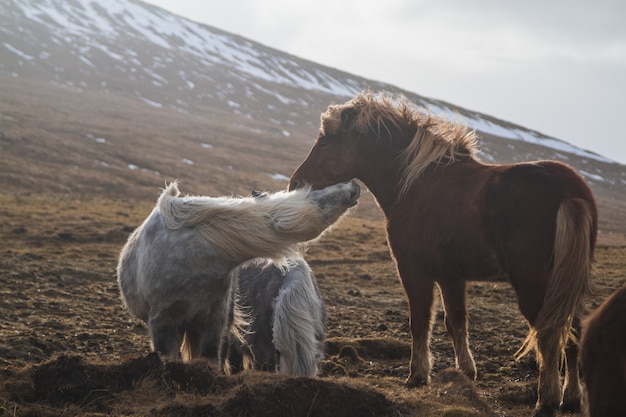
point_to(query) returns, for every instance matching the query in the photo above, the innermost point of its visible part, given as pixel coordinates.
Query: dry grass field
(79, 171)
(68, 347)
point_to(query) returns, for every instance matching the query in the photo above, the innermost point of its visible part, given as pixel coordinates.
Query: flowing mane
(245, 225)
(436, 139)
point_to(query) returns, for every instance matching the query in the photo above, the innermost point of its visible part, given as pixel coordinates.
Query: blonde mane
(244, 227)
(437, 140)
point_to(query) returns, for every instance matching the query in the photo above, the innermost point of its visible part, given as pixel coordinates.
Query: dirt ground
(67, 347)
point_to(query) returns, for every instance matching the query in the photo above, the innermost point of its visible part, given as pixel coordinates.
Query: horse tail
(299, 324)
(186, 348)
(570, 280)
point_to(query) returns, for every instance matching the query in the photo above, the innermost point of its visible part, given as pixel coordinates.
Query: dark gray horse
(287, 319)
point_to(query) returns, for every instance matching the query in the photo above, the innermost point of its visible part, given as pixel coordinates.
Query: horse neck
(382, 176)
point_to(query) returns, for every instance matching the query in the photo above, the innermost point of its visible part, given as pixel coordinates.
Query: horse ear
(337, 118)
(348, 115)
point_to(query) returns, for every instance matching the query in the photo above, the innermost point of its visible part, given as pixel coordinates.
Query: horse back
(521, 203)
(529, 182)
(468, 220)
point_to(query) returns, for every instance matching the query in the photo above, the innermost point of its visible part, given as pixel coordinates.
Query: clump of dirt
(459, 390)
(71, 380)
(67, 382)
(375, 348)
(307, 397)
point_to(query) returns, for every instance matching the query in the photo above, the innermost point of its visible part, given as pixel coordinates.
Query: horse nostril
(294, 185)
(356, 191)
(355, 199)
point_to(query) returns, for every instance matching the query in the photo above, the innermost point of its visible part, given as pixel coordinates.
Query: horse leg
(234, 356)
(529, 283)
(206, 340)
(165, 336)
(420, 295)
(549, 382)
(190, 348)
(453, 297)
(572, 390)
(214, 333)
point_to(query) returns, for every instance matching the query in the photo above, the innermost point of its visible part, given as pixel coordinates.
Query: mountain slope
(133, 48)
(139, 93)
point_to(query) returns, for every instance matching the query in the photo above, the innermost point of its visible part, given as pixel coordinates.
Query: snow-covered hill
(134, 49)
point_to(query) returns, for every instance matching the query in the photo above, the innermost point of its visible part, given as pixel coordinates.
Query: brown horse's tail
(571, 275)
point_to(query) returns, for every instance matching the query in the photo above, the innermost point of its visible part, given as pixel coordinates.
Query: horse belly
(471, 262)
(489, 271)
(453, 250)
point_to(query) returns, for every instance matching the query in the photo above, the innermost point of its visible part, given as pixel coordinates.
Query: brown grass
(69, 201)
(67, 347)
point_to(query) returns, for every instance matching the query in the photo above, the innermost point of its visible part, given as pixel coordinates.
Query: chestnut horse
(452, 219)
(603, 357)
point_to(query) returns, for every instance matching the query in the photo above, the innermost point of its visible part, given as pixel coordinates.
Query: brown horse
(603, 355)
(452, 219)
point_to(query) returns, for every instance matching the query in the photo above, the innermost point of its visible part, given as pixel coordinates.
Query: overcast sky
(556, 66)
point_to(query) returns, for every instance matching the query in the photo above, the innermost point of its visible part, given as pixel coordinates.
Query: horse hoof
(571, 407)
(415, 382)
(544, 411)
(470, 373)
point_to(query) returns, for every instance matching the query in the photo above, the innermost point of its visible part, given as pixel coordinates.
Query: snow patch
(17, 51)
(279, 177)
(592, 176)
(89, 26)
(150, 102)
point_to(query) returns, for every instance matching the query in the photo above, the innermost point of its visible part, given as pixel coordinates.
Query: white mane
(244, 227)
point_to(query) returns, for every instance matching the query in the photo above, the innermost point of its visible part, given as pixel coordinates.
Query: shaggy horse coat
(174, 271)
(287, 318)
(603, 357)
(452, 219)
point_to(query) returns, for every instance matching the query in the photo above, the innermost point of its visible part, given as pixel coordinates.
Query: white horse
(287, 324)
(174, 271)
